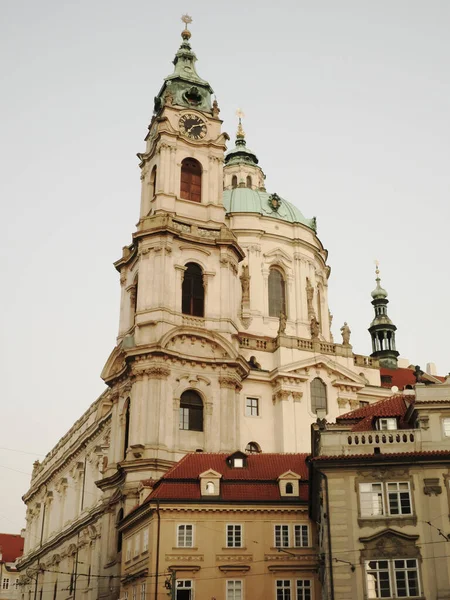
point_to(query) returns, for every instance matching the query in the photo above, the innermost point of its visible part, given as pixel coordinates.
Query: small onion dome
(379, 292)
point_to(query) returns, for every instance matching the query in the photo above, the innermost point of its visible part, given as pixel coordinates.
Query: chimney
(431, 369)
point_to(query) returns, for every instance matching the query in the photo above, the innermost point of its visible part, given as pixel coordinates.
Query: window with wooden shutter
(191, 180)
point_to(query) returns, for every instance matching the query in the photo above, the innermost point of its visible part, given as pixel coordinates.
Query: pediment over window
(306, 369)
(278, 254)
(198, 343)
(390, 544)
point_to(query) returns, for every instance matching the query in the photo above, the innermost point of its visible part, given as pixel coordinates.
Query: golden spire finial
(377, 270)
(186, 34)
(240, 131)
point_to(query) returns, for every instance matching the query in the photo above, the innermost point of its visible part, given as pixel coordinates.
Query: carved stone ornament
(389, 544)
(381, 474)
(315, 328)
(282, 324)
(229, 382)
(310, 298)
(215, 109)
(432, 487)
(274, 202)
(245, 284)
(345, 332)
(297, 396)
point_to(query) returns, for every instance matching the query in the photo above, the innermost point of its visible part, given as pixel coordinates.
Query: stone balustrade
(365, 442)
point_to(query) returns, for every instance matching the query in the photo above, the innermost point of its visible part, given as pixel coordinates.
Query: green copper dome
(246, 200)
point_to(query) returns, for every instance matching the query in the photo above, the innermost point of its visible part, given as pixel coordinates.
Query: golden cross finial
(240, 131)
(239, 114)
(377, 270)
(186, 20)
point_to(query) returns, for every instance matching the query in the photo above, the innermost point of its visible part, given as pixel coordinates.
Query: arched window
(193, 292)
(210, 488)
(318, 395)
(289, 488)
(252, 448)
(191, 180)
(126, 432)
(234, 182)
(153, 183)
(119, 533)
(277, 293)
(191, 411)
(249, 181)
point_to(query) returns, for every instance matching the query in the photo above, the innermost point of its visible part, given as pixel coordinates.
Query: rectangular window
(446, 427)
(128, 553)
(142, 591)
(125, 595)
(252, 407)
(185, 537)
(183, 589)
(371, 499)
(5, 583)
(133, 592)
(234, 536)
(301, 536)
(145, 541)
(283, 587)
(136, 545)
(387, 424)
(234, 589)
(281, 536)
(399, 498)
(304, 589)
(397, 578)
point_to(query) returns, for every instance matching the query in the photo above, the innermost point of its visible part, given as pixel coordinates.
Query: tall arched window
(153, 182)
(249, 181)
(234, 181)
(252, 448)
(191, 411)
(277, 293)
(193, 291)
(318, 395)
(191, 180)
(126, 432)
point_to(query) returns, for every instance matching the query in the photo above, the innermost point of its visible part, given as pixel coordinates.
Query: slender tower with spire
(382, 329)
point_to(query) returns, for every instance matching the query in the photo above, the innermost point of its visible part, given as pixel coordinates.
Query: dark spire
(382, 330)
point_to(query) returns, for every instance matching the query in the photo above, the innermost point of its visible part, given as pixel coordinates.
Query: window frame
(233, 596)
(387, 502)
(309, 590)
(283, 308)
(392, 571)
(143, 591)
(184, 587)
(145, 540)
(283, 528)
(178, 530)
(191, 414)
(187, 175)
(446, 427)
(303, 527)
(233, 535)
(286, 586)
(248, 409)
(387, 421)
(5, 580)
(193, 292)
(315, 397)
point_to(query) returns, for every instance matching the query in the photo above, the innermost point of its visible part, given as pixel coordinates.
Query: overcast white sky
(347, 108)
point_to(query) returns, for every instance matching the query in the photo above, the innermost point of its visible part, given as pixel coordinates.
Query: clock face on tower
(192, 126)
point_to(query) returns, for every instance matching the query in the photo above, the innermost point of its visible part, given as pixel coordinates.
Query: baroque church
(224, 341)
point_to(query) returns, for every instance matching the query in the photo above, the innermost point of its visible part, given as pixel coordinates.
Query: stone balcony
(338, 443)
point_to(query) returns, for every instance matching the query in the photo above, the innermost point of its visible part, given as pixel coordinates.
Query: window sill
(386, 521)
(240, 548)
(184, 548)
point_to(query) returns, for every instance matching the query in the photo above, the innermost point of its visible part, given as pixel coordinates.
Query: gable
(339, 374)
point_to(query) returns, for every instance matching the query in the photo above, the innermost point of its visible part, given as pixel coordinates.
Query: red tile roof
(257, 481)
(402, 377)
(11, 546)
(395, 406)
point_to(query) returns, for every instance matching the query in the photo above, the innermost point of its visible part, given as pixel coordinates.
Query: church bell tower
(382, 329)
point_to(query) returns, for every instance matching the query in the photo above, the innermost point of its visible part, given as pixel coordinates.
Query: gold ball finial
(377, 270)
(186, 34)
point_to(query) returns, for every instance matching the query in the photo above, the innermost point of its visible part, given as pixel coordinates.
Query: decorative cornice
(229, 382)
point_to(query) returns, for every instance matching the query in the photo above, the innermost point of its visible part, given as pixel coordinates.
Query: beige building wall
(210, 564)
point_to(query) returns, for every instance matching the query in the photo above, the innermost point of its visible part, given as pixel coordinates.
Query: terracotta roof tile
(402, 377)
(257, 481)
(11, 546)
(394, 406)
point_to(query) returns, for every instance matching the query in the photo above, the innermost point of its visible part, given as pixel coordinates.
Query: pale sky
(347, 108)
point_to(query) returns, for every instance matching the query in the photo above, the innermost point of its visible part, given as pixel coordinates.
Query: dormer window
(237, 460)
(387, 424)
(289, 484)
(210, 483)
